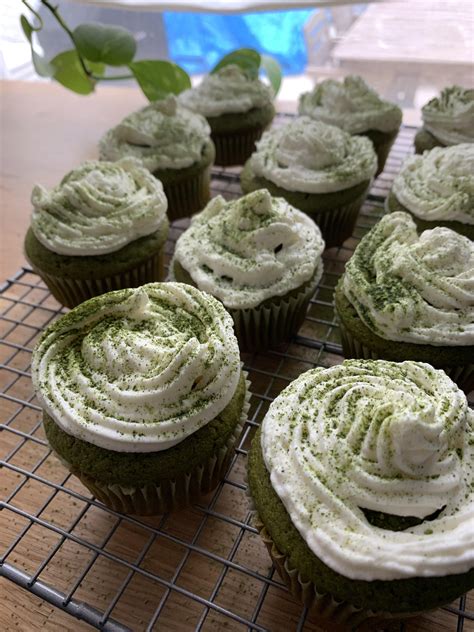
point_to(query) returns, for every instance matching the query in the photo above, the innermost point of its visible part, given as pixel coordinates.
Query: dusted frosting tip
(395, 438)
(350, 105)
(228, 90)
(138, 370)
(98, 208)
(251, 249)
(439, 184)
(312, 157)
(163, 135)
(413, 288)
(450, 116)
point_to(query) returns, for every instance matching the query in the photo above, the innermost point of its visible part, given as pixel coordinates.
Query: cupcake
(405, 296)
(102, 228)
(357, 109)
(174, 144)
(362, 478)
(143, 395)
(238, 108)
(447, 120)
(437, 188)
(318, 169)
(259, 256)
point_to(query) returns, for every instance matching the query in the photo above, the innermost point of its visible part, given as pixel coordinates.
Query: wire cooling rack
(204, 568)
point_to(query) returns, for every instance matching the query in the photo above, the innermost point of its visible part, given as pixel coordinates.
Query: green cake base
(382, 142)
(425, 141)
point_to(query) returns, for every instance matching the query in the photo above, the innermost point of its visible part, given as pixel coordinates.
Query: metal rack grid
(203, 568)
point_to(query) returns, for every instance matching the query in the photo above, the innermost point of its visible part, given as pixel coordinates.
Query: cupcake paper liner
(353, 348)
(189, 195)
(169, 494)
(236, 148)
(72, 292)
(338, 224)
(382, 148)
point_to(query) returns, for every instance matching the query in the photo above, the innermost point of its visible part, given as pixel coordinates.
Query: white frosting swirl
(163, 135)
(350, 105)
(98, 208)
(227, 90)
(450, 117)
(248, 250)
(413, 288)
(439, 185)
(397, 438)
(312, 157)
(138, 370)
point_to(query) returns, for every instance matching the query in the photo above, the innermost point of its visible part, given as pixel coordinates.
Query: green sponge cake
(447, 120)
(174, 144)
(357, 109)
(362, 480)
(437, 188)
(237, 107)
(410, 296)
(319, 169)
(102, 228)
(143, 395)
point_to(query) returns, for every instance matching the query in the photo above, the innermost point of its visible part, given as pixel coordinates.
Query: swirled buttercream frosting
(251, 249)
(450, 117)
(229, 89)
(350, 105)
(439, 185)
(413, 288)
(312, 157)
(163, 135)
(138, 370)
(98, 208)
(396, 438)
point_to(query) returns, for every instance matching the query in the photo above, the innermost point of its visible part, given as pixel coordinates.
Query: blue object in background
(197, 41)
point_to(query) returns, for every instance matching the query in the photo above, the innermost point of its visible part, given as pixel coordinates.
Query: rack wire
(204, 568)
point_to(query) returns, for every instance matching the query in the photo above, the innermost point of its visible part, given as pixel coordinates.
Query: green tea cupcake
(437, 188)
(317, 168)
(174, 144)
(143, 395)
(362, 478)
(260, 257)
(102, 228)
(405, 296)
(447, 120)
(357, 109)
(238, 109)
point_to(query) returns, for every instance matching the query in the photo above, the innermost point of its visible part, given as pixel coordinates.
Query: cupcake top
(251, 249)
(98, 208)
(450, 117)
(412, 288)
(396, 438)
(163, 135)
(228, 90)
(138, 370)
(439, 185)
(350, 105)
(313, 157)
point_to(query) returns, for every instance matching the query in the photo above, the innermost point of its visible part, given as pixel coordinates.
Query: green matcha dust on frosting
(439, 185)
(413, 288)
(312, 157)
(98, 208)
(225, 91)
(396, 438)
(350, 105)
(251, 249)
(450, 116)
(163, 135)
(138, 370)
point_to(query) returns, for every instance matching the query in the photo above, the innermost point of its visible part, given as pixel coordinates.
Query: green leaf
(246, 58)
(112, 45)
(41, 65)
(159, 78)
(69, 72)
(273, 71)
